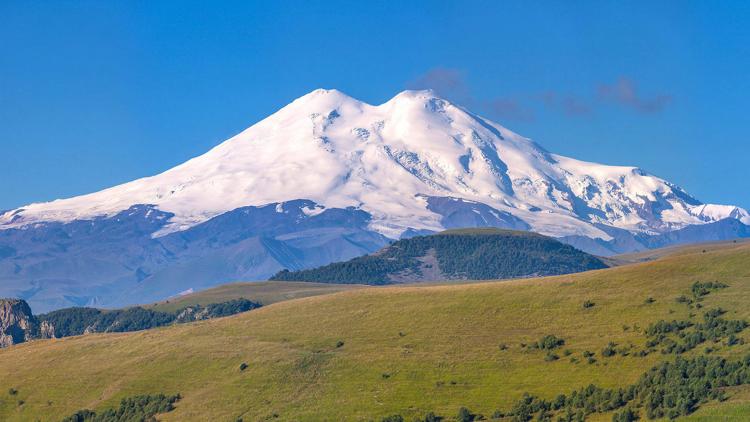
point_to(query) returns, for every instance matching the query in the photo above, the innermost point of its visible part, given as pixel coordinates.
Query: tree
(464, 415)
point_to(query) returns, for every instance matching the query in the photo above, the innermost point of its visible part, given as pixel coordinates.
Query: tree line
(76, 321)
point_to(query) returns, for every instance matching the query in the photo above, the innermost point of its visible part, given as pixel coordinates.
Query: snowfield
(387, 160)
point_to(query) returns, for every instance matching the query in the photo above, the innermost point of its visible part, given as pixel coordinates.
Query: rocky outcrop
(46, 330)
(193, 313)
(17, 323)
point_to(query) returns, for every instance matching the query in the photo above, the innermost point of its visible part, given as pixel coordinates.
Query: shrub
(609, 350)
(12, 391)
(465, 415)
(649, 300)
(627, 415)
(393, 418)
(84, 415)
(430, 417)
(588, 304)
(339, 344)
(550, 342)
(702, 289)
(243, 366)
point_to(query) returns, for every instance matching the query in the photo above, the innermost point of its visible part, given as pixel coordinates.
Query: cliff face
(17, 323)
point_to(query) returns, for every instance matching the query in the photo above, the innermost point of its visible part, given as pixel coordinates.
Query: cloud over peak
(624, 92)
(451, 84)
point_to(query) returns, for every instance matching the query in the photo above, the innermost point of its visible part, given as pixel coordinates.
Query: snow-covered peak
(712, 212)
(321, 97)
(418, 95)
(385, 159)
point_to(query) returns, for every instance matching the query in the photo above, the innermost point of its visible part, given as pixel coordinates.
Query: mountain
(468, 254)
(325, 179)
(365, 354)
(116, 261)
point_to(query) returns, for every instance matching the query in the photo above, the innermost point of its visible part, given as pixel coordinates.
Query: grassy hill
(216, 302)
(367, 353)
(265, 292)
(474, 254)
(652, 254)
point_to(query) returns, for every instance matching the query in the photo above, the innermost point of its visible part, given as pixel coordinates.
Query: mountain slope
(406, 349)
(115, 262)
(478, 254)
(325, 179)
(264, 292)
(340, 152)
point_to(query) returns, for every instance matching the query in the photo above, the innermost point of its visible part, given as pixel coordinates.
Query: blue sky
(94, 94)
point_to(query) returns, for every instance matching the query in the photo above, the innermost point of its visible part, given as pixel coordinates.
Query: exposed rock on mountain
(17, 324)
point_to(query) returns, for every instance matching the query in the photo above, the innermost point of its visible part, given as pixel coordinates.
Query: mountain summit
(339, 178)
(388, 160)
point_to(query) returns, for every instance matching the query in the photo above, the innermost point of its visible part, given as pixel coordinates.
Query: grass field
(652, 254)
(406, 349)
(265, 292)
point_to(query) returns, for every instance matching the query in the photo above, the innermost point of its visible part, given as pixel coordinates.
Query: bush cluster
(132, 409)
(668, 390)
(548, 342)
(681, 336)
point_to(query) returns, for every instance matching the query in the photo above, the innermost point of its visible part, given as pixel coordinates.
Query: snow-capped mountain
(385, 160)
(417, 163)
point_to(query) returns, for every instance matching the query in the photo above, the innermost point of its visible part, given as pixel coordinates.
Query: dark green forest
(132, 409)
(460, 254)
(76, 321)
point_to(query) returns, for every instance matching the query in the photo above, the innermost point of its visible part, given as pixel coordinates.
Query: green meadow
(364, 353)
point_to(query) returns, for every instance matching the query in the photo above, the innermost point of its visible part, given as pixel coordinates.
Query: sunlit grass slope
(265, 292)
(405, 350)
